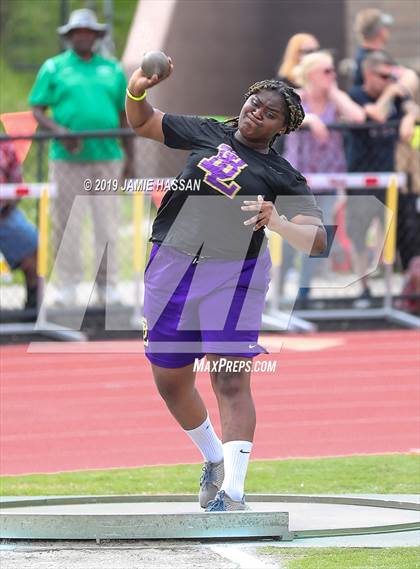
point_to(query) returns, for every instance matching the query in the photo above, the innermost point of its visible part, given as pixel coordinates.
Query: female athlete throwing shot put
(208, 271)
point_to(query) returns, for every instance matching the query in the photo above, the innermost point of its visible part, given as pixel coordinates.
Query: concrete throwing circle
(281, 517)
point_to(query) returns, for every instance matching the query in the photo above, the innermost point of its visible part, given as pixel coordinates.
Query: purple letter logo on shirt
(222, 169)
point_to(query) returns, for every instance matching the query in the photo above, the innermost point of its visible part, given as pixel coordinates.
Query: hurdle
(276, 318)
(390, 181)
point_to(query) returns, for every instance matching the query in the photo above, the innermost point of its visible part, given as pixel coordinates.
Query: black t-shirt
(372, 149)
(209, 219)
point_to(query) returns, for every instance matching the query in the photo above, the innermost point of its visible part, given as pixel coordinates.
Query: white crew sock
(207, 441)
(236, 454)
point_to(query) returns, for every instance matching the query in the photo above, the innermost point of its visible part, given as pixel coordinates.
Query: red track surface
(332, 394)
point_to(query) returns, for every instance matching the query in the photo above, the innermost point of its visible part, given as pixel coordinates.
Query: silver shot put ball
(155, 63)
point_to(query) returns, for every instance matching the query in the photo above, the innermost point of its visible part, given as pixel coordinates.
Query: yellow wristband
(133, 98)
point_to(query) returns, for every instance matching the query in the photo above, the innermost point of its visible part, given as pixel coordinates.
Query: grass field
(333, 558)
(388, 474)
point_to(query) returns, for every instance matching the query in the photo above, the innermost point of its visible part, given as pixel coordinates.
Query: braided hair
(292, 105)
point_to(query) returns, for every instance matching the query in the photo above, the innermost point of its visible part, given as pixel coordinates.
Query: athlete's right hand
(138, 82)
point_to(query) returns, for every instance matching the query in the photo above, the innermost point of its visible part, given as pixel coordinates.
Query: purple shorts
(213, 306)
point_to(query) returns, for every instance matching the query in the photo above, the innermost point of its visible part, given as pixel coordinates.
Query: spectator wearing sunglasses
(373, 30)
(372, 149)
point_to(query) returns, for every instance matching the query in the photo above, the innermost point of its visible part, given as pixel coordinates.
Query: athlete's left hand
(267, 216)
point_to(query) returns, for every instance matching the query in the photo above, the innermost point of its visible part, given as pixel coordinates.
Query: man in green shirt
(84, 91)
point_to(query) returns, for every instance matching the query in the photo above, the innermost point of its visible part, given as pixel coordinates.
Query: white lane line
(244, 560)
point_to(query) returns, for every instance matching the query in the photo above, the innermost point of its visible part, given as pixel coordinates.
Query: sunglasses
(384, 76)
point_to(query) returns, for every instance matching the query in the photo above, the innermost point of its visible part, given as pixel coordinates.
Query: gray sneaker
(210, 481)
(224, 503)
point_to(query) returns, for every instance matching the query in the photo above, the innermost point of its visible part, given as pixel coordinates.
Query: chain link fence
(98, 233)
